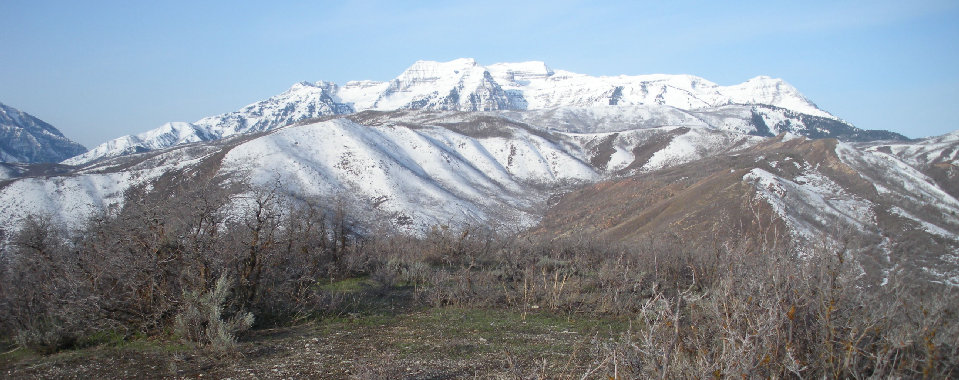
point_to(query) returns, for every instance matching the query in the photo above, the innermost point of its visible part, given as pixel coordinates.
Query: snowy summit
(465, 85)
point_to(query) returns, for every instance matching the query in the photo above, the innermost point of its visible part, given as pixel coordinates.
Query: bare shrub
(774, 315)
(47, 306)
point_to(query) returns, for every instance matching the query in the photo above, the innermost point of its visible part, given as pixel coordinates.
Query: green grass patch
(104, 337)
(15, 354)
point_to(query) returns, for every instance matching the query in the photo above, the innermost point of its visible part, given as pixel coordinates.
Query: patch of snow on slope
(535, 160)
(620, 159)
(899, 178)
(695, 144)
(930, 150)
(72, 199)
(810, 202)
(69, 200)
(362, 94)
(928, 227)
(681, 149)
(606, 118)
(950, 278)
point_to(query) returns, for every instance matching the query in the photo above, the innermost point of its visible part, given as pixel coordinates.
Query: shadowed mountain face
(26, 139)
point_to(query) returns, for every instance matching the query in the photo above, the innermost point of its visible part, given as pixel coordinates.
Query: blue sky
(98, 69)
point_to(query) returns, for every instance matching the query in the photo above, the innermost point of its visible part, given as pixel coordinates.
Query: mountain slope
(811, 195)
(480, 167)
(24, 138)
(936, 157)
(414, 169)
(762, 105)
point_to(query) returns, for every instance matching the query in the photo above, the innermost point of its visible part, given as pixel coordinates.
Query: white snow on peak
(432, 70)
(465, 85)
(521, 72)
(773, 91)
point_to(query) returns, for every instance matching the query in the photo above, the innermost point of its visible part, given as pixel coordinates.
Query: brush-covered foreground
(173, 287)
(435, 343)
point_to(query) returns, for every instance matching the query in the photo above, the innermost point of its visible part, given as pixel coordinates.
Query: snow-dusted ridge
(421, 168)
(469, 167)
(465, 85)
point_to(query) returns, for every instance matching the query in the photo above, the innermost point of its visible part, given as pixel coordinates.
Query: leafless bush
(128, 269)
(773, 315)
(46, 304)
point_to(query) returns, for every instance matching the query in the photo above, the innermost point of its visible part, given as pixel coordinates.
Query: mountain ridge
(465, 85)
(412, 170)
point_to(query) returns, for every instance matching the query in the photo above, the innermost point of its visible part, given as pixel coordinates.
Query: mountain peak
(774, 84)
(431, 70)
(302, 84)
(322, 85)
(774, 91)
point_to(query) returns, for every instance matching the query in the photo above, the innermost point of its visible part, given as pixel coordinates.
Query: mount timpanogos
(762, 105)
(521, 146)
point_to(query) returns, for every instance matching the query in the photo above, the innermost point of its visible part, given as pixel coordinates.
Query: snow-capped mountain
(24, 138)
(520, 145)
(762, 105)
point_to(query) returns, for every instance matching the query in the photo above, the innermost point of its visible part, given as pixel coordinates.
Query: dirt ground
(440, 343)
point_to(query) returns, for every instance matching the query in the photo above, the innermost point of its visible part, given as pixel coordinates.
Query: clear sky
(101, 69)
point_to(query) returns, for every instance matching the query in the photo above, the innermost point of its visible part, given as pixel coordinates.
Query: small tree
(201, 318)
